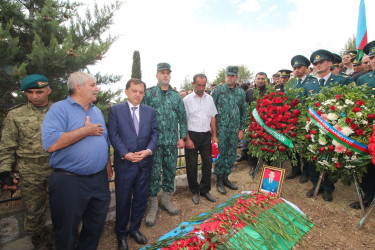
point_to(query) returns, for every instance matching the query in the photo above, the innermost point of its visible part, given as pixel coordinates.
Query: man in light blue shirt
(74, 132)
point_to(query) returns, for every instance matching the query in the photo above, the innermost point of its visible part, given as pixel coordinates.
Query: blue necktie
(135, 120)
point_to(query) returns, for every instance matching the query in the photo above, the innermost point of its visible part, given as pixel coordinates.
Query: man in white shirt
(200, 112)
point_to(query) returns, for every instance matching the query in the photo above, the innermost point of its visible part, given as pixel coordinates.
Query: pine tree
(49, 37)
(136, 67)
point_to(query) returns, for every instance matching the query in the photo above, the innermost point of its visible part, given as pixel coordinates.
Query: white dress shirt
(136, 111)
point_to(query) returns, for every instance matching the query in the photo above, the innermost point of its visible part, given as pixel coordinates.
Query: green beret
(232, 70)
(34, 82)
(321, 55)
(300, 60)
(163, 65)
(369, 49)
(285, 72)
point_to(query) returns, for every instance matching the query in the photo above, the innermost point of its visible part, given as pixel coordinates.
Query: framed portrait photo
(272, 180)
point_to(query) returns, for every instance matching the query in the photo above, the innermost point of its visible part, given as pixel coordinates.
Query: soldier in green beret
(230, 122)
(322, 61)
(21, 143)
(170, 114)
(369, 78)
(300, 66)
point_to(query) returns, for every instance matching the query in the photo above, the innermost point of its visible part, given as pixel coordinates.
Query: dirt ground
(334, 222)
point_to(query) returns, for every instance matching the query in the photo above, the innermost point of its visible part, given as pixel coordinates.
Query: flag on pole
(361, 39)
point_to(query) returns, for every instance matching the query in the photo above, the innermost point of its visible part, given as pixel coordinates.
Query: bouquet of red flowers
(273, 127)
(338, 128)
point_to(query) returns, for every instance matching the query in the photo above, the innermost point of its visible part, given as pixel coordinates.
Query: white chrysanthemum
(322, 141)
(332, 116)
(311, 148)
(349, 102)
(359, 114)
(308, 126)
(335, 143)
(335, 159)
(339, 107)
(312, 138)
(347, 131)
(324, 163)
(364, 122)
(349, 166)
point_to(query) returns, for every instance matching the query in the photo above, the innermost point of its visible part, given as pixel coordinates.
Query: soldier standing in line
(230, 122)
(21, 142)
(335, 68)
(170, 113)
(284, 78)
(300, 65)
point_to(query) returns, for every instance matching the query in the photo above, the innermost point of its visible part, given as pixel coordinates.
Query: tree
(244, 74)
(48, 37)
(187, 84)
(349, 45)
(136, 67)
(104, 99)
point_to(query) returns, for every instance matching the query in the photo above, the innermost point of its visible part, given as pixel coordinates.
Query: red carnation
(280, 93)
(338, 97)
(313, 132)
(255, 144)
(321, 150)
(294, 103)
(282, 148)
(317, 104)
(337, 165)
(331, 148)
(296, 113)
(332, 108)
(293, 134)
(356, 109)
(359, 132)
(348, 153)
(314, 158)
(272, 94)
(308, 119)
(319, 112)
(359, 103)
(285, 98)
(371, 116)
(354, 126)
(308, 137)
(348, 120)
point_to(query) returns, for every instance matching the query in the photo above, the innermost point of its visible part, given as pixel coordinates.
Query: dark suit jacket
(312, 87)
(123, 136)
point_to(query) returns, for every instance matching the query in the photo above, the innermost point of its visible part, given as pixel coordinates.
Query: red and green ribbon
(336, 135)
(281, 138)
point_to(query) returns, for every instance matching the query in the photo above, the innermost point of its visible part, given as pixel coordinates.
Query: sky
(205, 36)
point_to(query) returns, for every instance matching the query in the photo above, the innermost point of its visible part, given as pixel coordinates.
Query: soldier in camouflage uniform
(230, 122)
(21, 143)
(170, 112)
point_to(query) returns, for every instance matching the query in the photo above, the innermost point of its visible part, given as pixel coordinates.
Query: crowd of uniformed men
(64, 147)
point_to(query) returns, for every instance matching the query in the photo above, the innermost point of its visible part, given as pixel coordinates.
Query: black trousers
(75, 198)
(368, 183)
(326, 184)
(202, 143)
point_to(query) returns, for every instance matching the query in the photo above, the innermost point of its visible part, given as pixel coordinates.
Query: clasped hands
(137, 156)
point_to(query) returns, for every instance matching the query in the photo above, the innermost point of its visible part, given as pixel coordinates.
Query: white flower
(311, 148)
(347, 131)
(312, 138)
(364, 122)
(308, 125)
(335, 143)
(359, 114)
(332, 116)
(349, 102)
(324, 163)
(349, 166)
(335, 159)
(322, 141)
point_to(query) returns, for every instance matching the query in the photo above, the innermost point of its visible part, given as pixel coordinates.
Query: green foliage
(187, 84)
(244, 74)
(48, 37)
(104, 99)
(349, 45)
(136, 67)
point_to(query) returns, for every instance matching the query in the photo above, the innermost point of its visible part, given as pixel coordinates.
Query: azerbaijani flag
(361, 39)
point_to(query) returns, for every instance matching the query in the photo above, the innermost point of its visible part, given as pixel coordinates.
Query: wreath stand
(365, 217)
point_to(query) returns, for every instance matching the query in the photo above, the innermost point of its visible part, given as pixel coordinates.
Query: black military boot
(242, 157)
(228, 184)
(220, 186)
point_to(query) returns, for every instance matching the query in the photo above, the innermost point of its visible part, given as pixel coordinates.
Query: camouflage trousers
(34, 181)
(165, 158)
(228, 141)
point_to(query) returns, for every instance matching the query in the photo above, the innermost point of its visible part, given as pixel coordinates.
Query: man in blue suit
(133, 132)
(269, 184)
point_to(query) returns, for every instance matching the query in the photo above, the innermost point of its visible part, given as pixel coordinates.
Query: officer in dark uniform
(284, 78)
(300, 66)
(335, 68)
(322, 61)
(369, 78)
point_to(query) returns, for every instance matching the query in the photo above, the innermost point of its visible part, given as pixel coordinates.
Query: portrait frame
(279, 178)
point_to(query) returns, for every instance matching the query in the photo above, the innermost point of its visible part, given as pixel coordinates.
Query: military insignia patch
(373, 49)
(311, 91)
(365, 84)
(296, 63)
(317, 57)
(41, 84)
(370, 75)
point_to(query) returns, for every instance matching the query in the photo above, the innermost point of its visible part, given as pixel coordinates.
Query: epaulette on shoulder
(17, 106)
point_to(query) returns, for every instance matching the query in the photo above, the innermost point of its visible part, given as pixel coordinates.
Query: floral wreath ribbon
(281, 138)
(336, 135)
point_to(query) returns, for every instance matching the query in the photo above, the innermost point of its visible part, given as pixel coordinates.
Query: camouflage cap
(285, 72)
(164, 65)
(300, 60)
(232, 70)
(34, 82)
(321, 55)
(369, 49)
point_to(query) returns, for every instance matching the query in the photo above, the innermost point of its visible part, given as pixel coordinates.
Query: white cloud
(248, 6)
